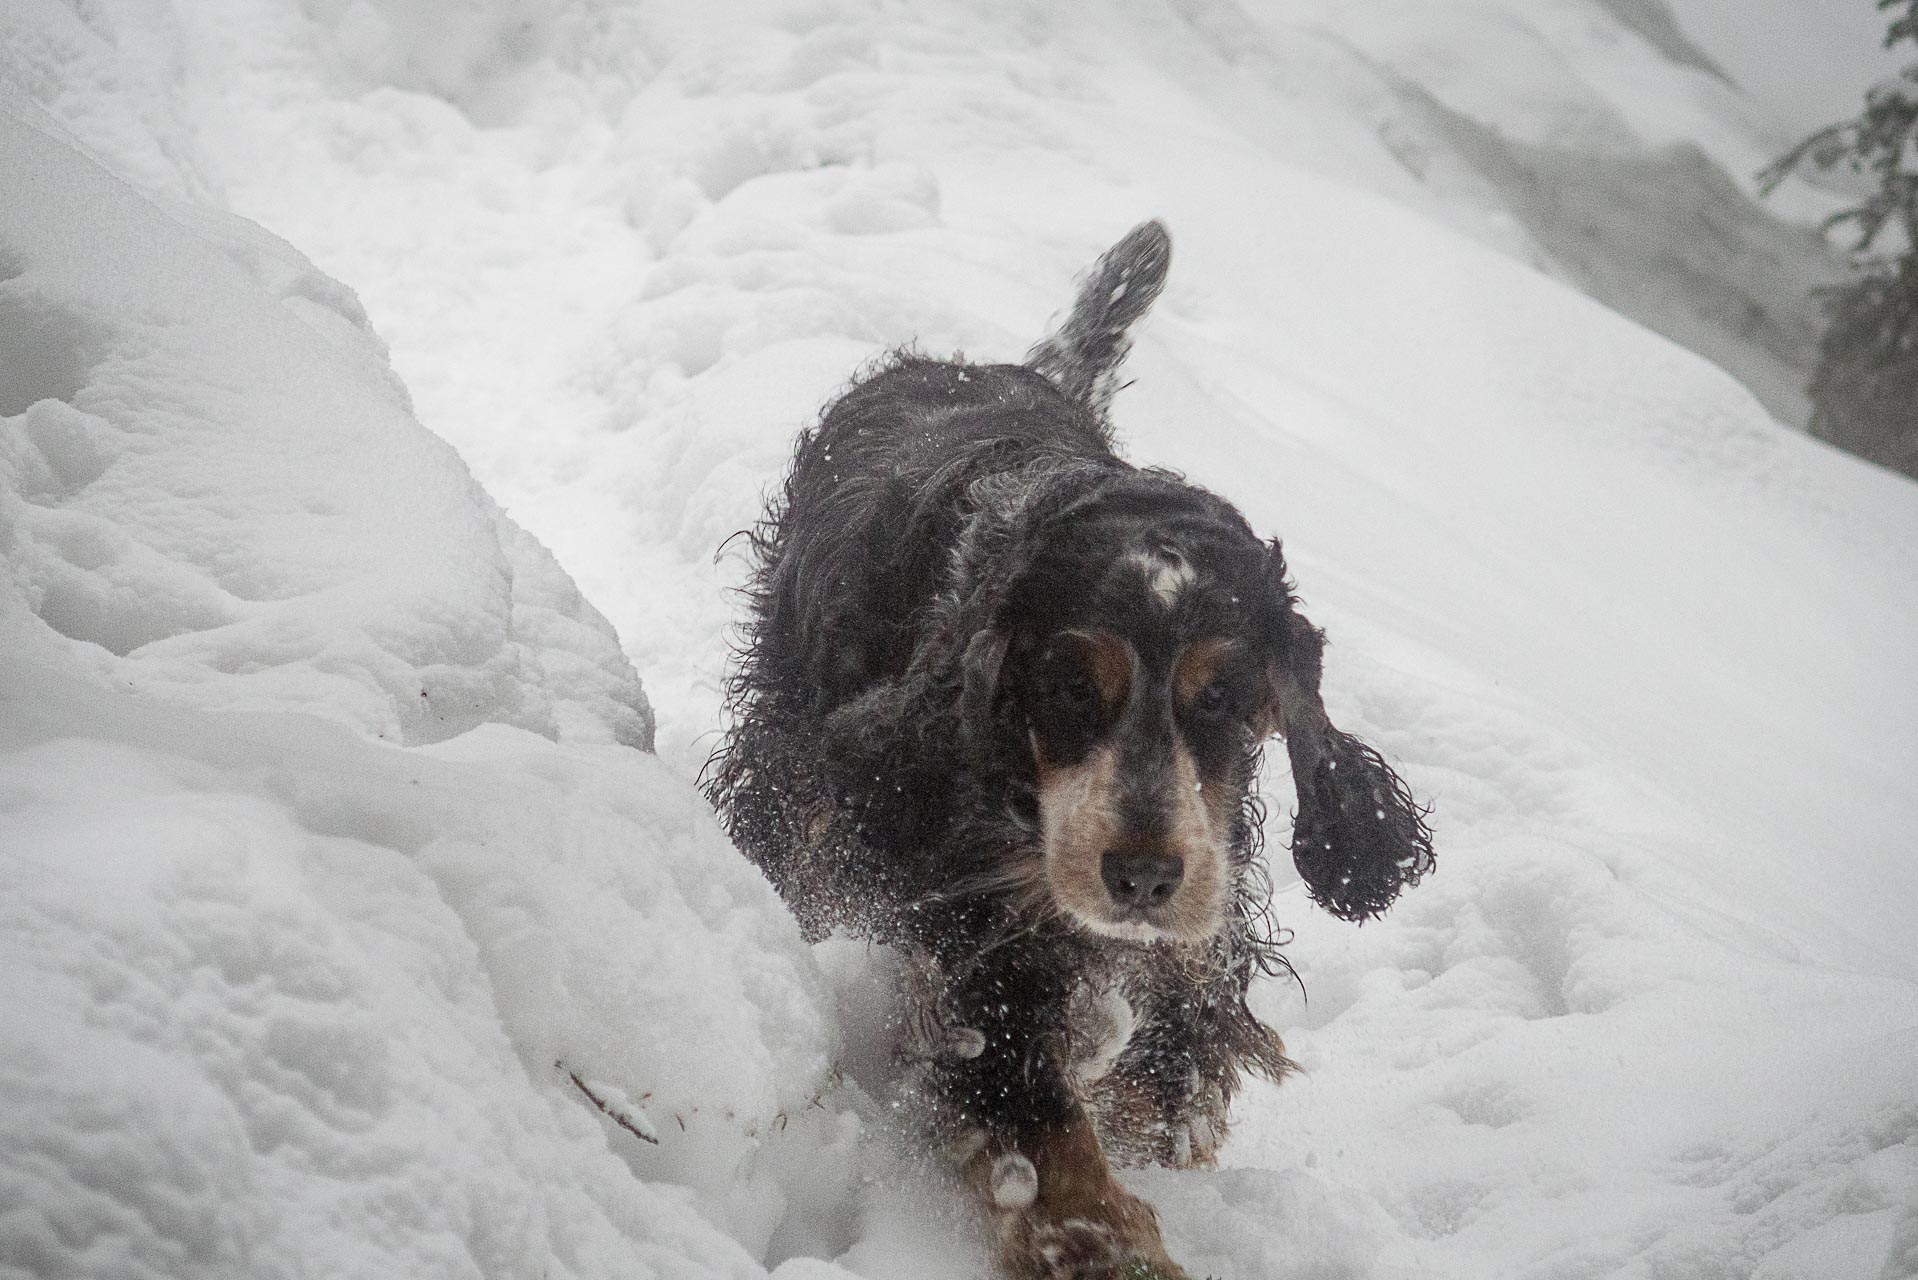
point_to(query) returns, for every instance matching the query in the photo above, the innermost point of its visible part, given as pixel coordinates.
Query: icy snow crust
(324, 835)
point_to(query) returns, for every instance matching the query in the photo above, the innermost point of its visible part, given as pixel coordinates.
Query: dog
(1001, 704)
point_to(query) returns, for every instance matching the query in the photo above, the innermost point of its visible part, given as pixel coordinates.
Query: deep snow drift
(325, 832)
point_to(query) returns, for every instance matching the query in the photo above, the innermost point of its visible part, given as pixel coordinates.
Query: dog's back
(878, 491)
(878, 495)
(852, 560)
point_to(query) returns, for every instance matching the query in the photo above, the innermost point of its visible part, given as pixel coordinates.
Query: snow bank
(214, 488)
(281, 997)
(282, 1002)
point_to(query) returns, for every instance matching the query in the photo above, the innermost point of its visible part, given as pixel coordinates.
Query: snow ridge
(348, 566)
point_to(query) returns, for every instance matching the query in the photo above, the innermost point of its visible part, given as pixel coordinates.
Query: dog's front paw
(1079, 1247)
(1056, 1210)
(1122, 1243)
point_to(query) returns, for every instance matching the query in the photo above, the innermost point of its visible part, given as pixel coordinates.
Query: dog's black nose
(1140, 878)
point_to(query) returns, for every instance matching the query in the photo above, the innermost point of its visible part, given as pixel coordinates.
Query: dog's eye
(1080, 675)
(1212, 700)
(1074, 686)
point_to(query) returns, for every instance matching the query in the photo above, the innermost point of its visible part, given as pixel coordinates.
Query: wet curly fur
(1002, 704)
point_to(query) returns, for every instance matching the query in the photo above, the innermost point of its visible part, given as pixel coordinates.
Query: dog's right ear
(985, 655)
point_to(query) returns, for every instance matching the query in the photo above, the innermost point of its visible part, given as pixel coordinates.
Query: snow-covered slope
(185, 394)
(325, 835)
(280, 998)
(1588, 137)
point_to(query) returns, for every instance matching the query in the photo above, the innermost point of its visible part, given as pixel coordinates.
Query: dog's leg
(1023, 1141)
(1056, 1210)
(1165, 1099)
(1165, 1106)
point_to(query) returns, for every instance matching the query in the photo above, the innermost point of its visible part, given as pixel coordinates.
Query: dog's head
(1149, 645)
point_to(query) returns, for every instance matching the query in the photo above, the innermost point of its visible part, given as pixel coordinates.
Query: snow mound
(212, 486)
(281, 994)
(280, 997)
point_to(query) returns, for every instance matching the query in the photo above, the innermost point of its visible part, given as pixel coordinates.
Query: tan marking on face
(1198, 831)
(1079, 822)
(1199, 664)
(1107, 659)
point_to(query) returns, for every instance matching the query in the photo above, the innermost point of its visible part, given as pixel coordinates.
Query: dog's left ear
(985, 654)
(1360, 837)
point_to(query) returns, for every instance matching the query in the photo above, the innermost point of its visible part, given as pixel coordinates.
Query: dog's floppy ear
(985, 654)
(1359, 837)
(876, 720)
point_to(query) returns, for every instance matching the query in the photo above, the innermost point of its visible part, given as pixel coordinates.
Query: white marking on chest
(1099, 1026)
(1167, 573)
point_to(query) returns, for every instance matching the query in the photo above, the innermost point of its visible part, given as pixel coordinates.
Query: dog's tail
(1082, 356)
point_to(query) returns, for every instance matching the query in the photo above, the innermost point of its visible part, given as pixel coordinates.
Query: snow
(337, 878)
(280, 997)
(216, 490)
